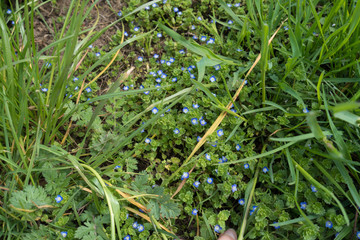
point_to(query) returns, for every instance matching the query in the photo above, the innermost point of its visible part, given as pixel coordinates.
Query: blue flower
(168, 63)
(196, 106)
(172, 59)
(141, 87)
(241, 201)
(265, 169)
(58, 198)
(127, 237)
(179, 13)
(234, 188)
(230, 22)
(158, 85)
(117, 167)
(135, 225)
(8, 11)
(140, 228)
(75, 79)
(119, 14)
(155, 110)
(198, 138)
(147, 140)
(126, 88)
(194, 121)
(192, 76)
(98, 54)
(136, 29)
(176, 131)
(255, 207)
(211, 41)
(303, 205)
(163, 75)
(140, 59)
(328, 224)
(305, 110)
(251, 212)
(147, 8)
(44, 89)
(88, 89)
(237, 5)
(158, 80)
(246, 166)
(212, 78)
(209, 180)
(159, 72)
(176, 9)
(276, 227)
(162, 61)
(199, 18)
(207, 157)
(313, 188)
(185, 110)
(194, 212)
(195, 37)
(182, 51)
(220, 132)
(217, 67)
(185, 175)
(126, 34)
(217, 228)
(147, 92)
(159, 35)
(193, 27)
(156, 56)
(358, 234)
(286, 28)
(214, 145)
(76, 88)
(47, 65)
(229, 5)
(174, 79)
(239, 50)
(196, 184)
(203, 38)
(203, 122)
(63, 234)
(238, 147)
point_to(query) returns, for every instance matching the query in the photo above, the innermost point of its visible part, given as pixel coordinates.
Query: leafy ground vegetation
(195, 117)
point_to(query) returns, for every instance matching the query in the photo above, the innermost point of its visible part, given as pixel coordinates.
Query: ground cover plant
(197, 116)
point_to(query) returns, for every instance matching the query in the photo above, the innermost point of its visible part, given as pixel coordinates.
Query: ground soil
(53, 13)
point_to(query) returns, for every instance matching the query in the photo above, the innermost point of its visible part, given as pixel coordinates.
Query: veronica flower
(239, 50)
(199, 18)
(217, 228)
(358, 234)
(179, 13)
(172, 60)
(126, 34)
(276, 227)
(126, 88)
(229, 5)
(176, 9)
(63, 234)
(207, 157)
(176, 131)
(119, 14)
(217, 67)
(196, 184)
(75, 79)
(185, 175)
(313, 188)
(44, 89)
(203, 38)
(234, 188)
(140, 228)
(214, 145)
(88, 89)
(76, 88)
(203, 122)
(147, 92)
(141, 87)
(174, 79)
(246, 166)
(58, 198)
(238, 147)
(241, 201)
(47, 65)
(303, 205)
(198, 138)
(194, 212)
(212, 78)
(182, 68)
(147, 8)
(155, 5)
(156, 56)
(136, 29)
(135, 225)
(286, 28)
(265, 169)
(162, 61)
(192, 76)
(209, 180)
(230, 22)
(328, 224)
(196, 106)
(220, 132)
(148, 140)
(182, 51)
(168, 63)
(158, 85)
(155, 110)
(159, 35)
(251, 212)
(158, 80)
(305, 110)
(117, 167)
(195, 37)
(127, 237)
(98, 54)
(140, 59)
(164, 1)
(193, 27)
(194, 121)
(8, 11)
(185, 110)
(211, 41)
